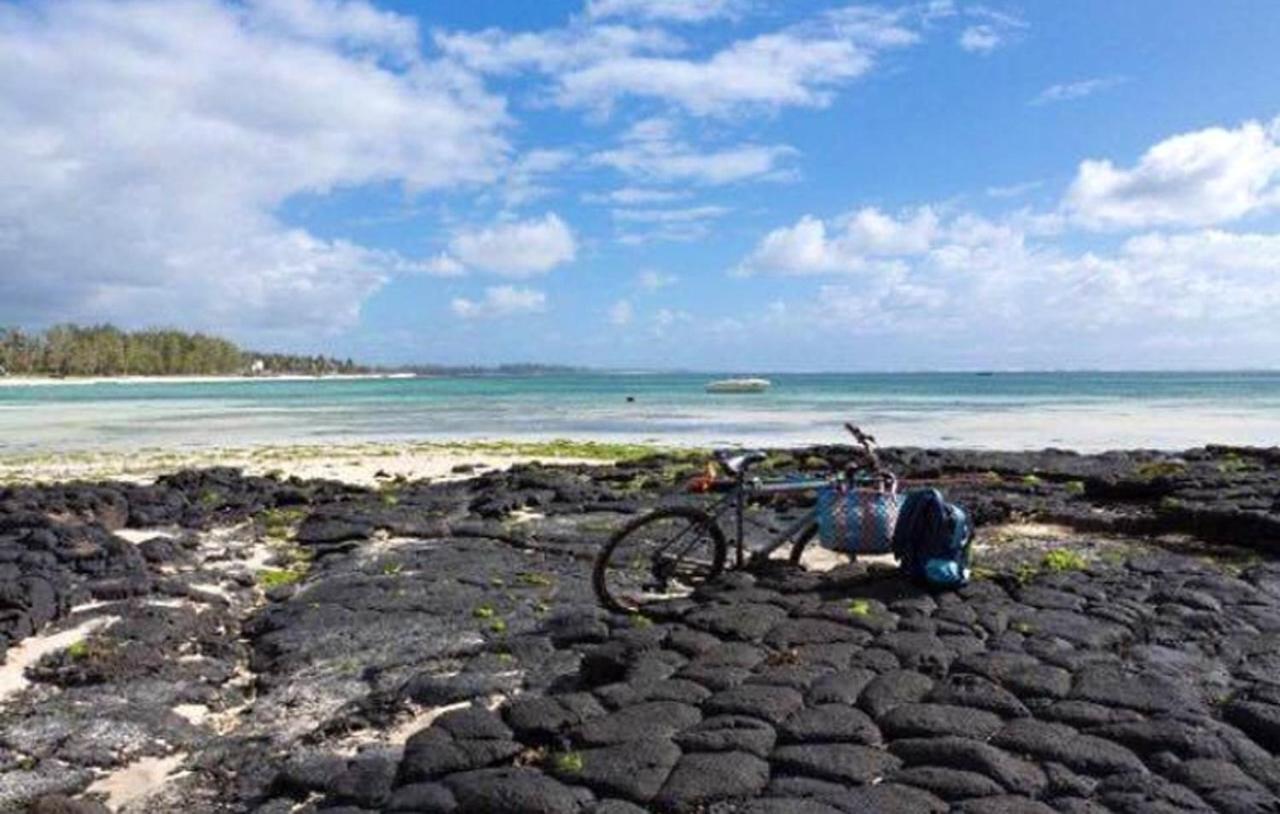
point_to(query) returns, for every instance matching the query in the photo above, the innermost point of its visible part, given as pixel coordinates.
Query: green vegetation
(1160, 469)
(105, 350)
(274, 577)
(859, 607)
(1032, 480)
(1075, 487)
(1232, 462)
(1061, 559)
(392, 569)
(640, 621)
(557, 448)
(533, 579)
(497, 626)
(567, 762)
(279, 524)
(484, 612)
(78, 650)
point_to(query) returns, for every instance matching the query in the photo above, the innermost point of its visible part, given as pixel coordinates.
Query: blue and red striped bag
(858, 520)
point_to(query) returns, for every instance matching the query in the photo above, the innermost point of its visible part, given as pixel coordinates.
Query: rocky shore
(216, 642)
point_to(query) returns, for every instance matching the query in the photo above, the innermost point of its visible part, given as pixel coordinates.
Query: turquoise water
(1004, 410)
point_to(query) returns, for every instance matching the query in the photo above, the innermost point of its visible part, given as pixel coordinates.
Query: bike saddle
(739, 460)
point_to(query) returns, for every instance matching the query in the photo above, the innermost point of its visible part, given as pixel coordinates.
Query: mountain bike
(669, 552)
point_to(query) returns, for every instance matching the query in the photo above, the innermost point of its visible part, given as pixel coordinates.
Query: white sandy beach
(358, 464)
(41, 381)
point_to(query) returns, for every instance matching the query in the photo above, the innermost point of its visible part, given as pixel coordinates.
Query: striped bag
(858, 521)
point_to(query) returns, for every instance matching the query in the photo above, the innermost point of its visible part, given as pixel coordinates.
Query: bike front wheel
(665, 554)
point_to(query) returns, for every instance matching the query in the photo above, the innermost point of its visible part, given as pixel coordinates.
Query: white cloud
(1200, 178)
(148, 149)
(683, 11)
(518, 248)
(1013, 190)
(960, 278)
(593, 66)
(980, 39)
(501, 301)
(631, 196)
(338, 22)
(653, 280)
(496, 51)
(996, 29)
(524, 180)
(1207, 276)
(442, 265)
(1209, 282)
(683, 224)
(857, 243)
(685, 215)
(620, 313)
(1068, 91)
(771, 70)
(650, 150)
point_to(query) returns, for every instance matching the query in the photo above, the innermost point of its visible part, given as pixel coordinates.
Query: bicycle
(669, 552)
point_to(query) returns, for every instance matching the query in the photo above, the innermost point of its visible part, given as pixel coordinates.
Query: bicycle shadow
(856, 579)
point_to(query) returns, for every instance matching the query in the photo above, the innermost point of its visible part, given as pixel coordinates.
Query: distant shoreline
(184, 378)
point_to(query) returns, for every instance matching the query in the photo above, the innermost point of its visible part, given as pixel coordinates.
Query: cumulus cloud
(1200, 178)
(518, 248)
(939, 278)
(650, 150)
(151, 190)
(855, 243)
(1207, 276)
(501, 301)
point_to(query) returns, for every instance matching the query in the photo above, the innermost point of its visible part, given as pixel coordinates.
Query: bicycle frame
(743, 490)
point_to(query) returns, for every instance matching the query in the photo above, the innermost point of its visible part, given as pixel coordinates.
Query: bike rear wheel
(665, 554)
(802, 541)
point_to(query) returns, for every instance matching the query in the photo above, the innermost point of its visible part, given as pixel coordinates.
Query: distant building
(257, 368)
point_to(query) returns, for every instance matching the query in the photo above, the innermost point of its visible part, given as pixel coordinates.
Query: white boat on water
(738, 386)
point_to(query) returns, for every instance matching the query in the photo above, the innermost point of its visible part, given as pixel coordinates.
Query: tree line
(105, 350)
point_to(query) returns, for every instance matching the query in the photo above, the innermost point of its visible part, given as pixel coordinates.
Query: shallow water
(1087, 411)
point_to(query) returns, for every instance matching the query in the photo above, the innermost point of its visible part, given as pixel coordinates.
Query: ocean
(1084, 411)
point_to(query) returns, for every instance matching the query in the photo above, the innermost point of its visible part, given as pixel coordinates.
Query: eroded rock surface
(279, 646)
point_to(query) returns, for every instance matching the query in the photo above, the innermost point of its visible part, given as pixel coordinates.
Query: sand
(13, 673)
(368, 464)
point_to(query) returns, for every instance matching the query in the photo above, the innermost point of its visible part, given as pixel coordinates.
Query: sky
(653, 184)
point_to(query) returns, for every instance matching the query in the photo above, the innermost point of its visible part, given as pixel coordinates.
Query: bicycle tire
(797, 548)
(706, 524)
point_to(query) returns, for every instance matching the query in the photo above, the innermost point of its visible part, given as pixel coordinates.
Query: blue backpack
(932, 539)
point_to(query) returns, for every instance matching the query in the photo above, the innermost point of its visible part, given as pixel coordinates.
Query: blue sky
(716, 184)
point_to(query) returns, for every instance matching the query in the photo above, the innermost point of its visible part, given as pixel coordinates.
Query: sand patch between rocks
(13, 676)
(136, 781)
